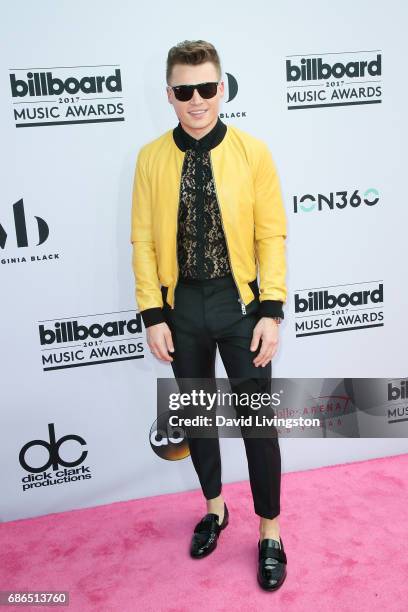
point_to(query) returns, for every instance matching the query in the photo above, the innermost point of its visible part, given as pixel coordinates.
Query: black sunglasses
(186, 92)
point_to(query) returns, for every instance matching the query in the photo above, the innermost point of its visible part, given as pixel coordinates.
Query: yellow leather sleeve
(144, 262)
(270, 229)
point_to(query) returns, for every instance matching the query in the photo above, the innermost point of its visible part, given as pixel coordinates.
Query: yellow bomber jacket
(252, 213)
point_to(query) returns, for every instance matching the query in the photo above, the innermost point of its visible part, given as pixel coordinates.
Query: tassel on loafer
(206, 533)
(272, 564)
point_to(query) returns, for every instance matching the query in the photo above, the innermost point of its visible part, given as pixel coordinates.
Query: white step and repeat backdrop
(82, 88)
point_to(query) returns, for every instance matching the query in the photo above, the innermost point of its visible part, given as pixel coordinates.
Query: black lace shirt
(201, 245)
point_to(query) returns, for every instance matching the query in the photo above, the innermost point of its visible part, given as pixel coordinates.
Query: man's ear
(168, 91)
(222, 89)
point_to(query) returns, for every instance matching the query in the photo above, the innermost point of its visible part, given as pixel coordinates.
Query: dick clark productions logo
(39, 476)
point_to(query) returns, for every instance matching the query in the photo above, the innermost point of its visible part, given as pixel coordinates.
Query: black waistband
(206, 281)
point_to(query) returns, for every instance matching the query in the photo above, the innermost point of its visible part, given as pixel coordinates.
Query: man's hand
(266, 330)
(160, 341)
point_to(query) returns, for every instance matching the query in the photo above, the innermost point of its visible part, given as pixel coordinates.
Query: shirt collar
(184, 141)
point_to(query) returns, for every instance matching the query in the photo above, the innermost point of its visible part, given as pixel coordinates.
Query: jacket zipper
(243, 307)
(178, 209)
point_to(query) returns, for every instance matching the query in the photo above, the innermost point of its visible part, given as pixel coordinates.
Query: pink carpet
(345, 530)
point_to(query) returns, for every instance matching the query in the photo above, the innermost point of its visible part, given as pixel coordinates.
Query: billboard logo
(101, 338)
(333, 79)
(66, 95)
(339, 308)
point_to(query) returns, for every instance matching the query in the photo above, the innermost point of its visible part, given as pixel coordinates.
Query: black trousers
(207, 314)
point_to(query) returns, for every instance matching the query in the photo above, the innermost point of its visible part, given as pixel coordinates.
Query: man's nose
(197, 99)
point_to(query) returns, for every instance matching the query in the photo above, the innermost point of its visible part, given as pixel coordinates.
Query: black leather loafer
(206, 534)
(271, 564)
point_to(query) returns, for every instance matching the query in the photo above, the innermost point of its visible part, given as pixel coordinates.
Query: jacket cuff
(152, 316)
(271, 308)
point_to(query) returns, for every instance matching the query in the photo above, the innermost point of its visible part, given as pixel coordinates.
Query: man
(207, 209)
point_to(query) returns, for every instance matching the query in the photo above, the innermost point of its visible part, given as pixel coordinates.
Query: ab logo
(21, 229)
(53, 448)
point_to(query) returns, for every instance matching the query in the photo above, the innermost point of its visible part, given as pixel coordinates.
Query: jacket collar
(184, 141)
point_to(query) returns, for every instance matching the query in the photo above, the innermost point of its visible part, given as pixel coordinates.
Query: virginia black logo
(22, 235)
(339, 308)
(21, 228)
(66, 95)
(232, 86)
(334, 79)
(231, 93)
